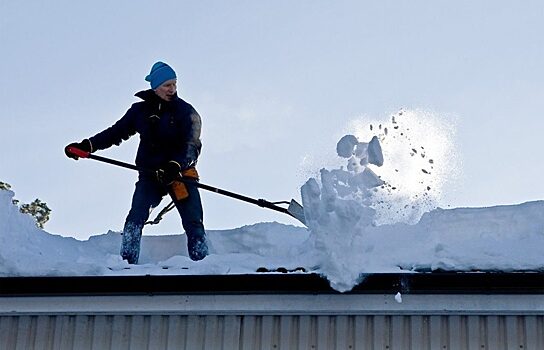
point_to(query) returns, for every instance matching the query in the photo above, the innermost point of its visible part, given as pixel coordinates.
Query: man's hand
(84, 145)
(169, 173)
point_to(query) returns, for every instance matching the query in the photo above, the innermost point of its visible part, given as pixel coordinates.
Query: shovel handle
(260, 202)
(78, 152)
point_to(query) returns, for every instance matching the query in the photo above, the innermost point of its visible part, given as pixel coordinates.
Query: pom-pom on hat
(160, 72)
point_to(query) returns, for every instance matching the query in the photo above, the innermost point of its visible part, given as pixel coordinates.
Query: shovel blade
(297, 211)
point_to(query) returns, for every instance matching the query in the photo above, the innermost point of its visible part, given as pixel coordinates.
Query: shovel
(294, 209)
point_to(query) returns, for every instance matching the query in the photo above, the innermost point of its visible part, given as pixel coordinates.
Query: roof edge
(274, 283)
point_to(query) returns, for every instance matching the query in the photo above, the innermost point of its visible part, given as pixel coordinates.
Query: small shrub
(37, 209)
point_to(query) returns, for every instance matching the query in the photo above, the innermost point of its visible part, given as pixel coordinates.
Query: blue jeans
(148, 195)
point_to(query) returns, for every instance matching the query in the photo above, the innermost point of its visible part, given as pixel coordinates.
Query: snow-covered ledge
(277, 304)
(269, 294)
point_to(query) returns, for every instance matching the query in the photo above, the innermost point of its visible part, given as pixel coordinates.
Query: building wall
(273, 321)
(417, 332)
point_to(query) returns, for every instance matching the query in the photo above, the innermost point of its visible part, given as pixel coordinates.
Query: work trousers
(148, 195)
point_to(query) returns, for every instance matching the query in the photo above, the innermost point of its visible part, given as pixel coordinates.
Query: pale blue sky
(274, 81)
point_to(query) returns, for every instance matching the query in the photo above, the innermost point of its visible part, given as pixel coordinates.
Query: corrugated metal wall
(271, 332)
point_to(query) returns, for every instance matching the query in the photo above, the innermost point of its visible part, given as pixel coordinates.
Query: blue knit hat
(160, 72)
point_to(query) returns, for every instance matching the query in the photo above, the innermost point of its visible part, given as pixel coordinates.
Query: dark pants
(148, 195)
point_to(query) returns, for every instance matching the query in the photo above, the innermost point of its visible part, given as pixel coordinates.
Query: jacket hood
(150, 96)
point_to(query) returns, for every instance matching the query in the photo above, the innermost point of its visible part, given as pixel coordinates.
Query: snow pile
(26, 250)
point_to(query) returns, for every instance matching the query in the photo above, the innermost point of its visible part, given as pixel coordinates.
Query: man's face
(167, 90)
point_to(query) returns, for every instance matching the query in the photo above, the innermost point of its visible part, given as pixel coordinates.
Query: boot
(130, 248)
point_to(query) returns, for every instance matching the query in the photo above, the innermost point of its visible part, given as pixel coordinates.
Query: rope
(165, 210)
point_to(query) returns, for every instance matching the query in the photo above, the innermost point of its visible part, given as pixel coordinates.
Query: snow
(376, 214)
(398, 298)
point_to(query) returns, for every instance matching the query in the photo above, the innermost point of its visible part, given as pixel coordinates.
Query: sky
(276, 83)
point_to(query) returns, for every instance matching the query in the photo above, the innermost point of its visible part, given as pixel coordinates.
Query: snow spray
(395, 177)
(419, 160)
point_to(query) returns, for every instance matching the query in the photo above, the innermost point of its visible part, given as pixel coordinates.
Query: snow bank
(26, 250)
(505, 238)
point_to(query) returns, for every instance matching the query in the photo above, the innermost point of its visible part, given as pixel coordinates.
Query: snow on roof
(379, 214)
(505, 238)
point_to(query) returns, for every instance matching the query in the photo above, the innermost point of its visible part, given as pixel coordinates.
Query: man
(170, 144)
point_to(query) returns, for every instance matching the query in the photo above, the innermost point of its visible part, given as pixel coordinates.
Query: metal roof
(274, 311)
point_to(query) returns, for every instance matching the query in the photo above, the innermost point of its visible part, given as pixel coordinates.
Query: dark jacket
(168, 131)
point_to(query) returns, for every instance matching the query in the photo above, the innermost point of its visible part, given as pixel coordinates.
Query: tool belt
(178, 190)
